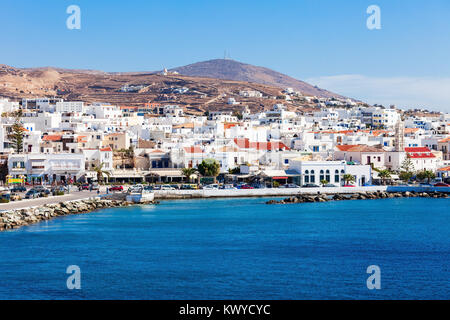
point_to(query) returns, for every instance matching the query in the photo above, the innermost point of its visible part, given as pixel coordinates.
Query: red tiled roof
(411, 130)
(106, 149)
(245, 143)
(419, 152)
(444, 169)
(193, 149)
(229, 125)
(417, 149)
(358, 148)
(51, 137)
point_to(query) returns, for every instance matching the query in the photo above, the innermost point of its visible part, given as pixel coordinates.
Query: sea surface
(235, 249)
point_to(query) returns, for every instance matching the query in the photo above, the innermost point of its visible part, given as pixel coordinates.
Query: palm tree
(188, 172)
(384, 175)
(100, 172)
(426, 174)
(348, 178)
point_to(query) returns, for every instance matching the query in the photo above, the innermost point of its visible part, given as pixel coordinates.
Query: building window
(327, 177)
(312, 177)
(336, 176)
(322, 175)
(307, 176)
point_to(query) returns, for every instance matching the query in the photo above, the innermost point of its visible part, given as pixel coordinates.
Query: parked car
(116, 188)
(228, 187)
(246, 186)
(18, 189)
(32, 193)
(442, 184)
(330, 185)
(95, 186)
(5, 196)
(259, 186)
(85, 186)
(310, 185)
(41, 189)
(211, 187)
(188, 186)
(60, 189)
(167, 187)
(290, 186)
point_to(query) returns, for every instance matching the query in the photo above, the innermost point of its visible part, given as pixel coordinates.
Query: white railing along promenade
(269, 192)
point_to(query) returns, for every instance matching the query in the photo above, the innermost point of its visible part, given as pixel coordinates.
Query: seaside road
(26, 203)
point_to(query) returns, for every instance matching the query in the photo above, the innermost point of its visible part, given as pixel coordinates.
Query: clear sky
(325, 42)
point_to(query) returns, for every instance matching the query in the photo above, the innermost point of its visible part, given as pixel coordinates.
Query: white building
(332, 171)
(47, 167)
(70, 106)
(8, 106)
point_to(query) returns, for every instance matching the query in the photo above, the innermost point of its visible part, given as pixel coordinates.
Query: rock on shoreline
(13, 219)
(305, 198)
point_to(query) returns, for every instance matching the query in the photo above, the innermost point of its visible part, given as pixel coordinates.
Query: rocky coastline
(17, 218)
(308, 198)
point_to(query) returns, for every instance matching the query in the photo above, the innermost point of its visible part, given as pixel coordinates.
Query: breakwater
(307, 198)
(12, 219)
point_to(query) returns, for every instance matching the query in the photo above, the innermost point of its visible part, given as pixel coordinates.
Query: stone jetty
(306, 198)
(21, 217)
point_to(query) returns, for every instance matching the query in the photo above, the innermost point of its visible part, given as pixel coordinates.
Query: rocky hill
(207, 86)
(233, 70)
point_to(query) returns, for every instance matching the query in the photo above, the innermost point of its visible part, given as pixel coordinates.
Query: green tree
(407, 164)
(209, 168)
(405, 176)
(425, 174)
(100, 172)
(384, 175)
(238, 115)
(324, 182)
(348, 178)
(236, 170)
(17, 135)
(188, 173)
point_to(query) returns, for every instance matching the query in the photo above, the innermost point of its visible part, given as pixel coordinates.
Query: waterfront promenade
(281, 192)
(28, 203)
(217, 193)
(269, 192)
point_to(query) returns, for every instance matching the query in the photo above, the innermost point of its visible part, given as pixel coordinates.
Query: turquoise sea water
(235, 249)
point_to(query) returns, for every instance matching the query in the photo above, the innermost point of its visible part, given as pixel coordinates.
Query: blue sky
(322, 41)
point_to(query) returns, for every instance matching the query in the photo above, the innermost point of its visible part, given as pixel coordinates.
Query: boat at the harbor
(139, 194)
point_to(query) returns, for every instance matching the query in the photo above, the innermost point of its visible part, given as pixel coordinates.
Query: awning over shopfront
(167, 172)
(279, 174)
